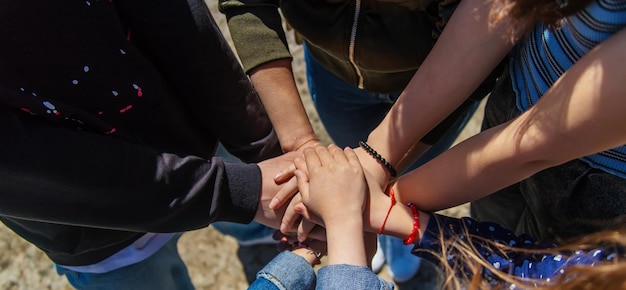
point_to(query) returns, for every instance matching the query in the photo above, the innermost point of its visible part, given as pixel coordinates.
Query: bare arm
(277, 89)
(467, 51)
(582, 114)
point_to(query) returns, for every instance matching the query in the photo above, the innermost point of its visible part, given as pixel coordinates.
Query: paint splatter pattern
(85, 90)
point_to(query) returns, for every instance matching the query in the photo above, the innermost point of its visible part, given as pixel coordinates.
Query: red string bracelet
(393, 202)
(416, 225)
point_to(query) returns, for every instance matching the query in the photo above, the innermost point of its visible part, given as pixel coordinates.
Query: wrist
(389, 168)
(296, 143)
(346, 244)
(401, 222)
(375, 170)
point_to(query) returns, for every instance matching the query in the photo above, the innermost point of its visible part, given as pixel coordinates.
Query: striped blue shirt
(545, 54)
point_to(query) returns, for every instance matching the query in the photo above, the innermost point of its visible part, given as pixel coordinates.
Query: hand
(298, 219)
(335, 187)
(284, 175)
(269, 169)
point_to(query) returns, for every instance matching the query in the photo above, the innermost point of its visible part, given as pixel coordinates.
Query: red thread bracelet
(416, 226)
(393, 202)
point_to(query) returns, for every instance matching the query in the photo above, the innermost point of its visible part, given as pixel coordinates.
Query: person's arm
(580, 115)
(259, 39)
(333, 187)
(468, 49)
(277, 89)
(467, 240)
(60, 175)
(334, 190)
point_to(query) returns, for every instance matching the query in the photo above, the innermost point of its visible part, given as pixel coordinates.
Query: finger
(324, 155)
(337, 153)
(285, 193)
(311, 157)
(352, 157)
(304, 229)
(303, 184)
(300, 164)
(285, 174)
(302, 210)
(291, 218)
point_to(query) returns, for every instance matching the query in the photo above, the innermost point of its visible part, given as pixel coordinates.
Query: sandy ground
(215, 261)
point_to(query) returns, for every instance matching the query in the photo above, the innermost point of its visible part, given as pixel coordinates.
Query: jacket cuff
(289, 271)
(244, 182)
(257, 34)
(344, 276)
(430, 242)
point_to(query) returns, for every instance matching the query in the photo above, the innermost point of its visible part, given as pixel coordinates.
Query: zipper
(355, 23)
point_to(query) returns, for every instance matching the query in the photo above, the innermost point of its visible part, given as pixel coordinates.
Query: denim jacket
(288, 271)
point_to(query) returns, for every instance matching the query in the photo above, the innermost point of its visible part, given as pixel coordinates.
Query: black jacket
(110, 113)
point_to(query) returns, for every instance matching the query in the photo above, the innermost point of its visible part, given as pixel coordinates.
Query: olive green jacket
(375, 45)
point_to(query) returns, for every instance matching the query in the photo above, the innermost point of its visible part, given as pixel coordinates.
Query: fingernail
(277, 176)
(283, 227)
(273, 203)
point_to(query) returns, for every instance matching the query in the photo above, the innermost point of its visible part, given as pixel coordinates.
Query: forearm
(277, 89)
(580, 115)
(110, 183)
(455, 67)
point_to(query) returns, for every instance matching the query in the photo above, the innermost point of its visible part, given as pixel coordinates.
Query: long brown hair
(465, 270)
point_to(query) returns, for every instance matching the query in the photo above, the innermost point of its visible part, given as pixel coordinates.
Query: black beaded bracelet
(379, 158)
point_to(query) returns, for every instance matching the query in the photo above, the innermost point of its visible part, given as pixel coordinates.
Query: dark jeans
(564, 201)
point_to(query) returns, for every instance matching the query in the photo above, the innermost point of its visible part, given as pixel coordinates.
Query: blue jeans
(349, 114)
(163, 270)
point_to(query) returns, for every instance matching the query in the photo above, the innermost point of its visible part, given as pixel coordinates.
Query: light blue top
(544, 55)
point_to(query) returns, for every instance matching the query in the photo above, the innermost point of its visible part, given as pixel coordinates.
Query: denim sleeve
(531, 264)
(343, 276)
(287, 271)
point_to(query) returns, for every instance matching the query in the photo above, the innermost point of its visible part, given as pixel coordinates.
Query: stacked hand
(333, 197)
(334, 194)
